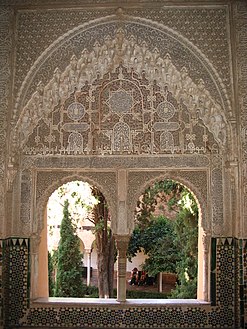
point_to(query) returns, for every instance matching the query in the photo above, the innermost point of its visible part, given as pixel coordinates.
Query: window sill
(59, 301)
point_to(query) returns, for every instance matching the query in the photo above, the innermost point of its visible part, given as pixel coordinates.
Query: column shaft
(122, 245)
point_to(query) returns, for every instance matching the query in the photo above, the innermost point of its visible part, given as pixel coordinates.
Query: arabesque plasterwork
(122, 98)
(5, 74)
(155, 96)
(59, 53)
(119, 95)
(106, 87)
(33, 38)
(241, 48)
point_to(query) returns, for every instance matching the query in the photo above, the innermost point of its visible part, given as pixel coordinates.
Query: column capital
(122, 242)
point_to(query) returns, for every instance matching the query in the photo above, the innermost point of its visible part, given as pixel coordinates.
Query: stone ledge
(111, 302)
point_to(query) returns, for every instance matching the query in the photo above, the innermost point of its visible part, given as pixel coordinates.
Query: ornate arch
(119, 46)
(41, 201)
(139, 189)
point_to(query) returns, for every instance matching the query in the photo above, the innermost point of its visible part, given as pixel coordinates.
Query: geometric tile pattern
(224, 314)
(141, 317)
(225, 266)
(16, 276)
(1, 283)
(243, 283)
(213, 272)
(221, 314)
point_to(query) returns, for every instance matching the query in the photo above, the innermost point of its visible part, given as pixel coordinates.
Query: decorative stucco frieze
(217, 202)
(26, 198)
(118, 162)
(103, 86)
(240, 14)
(37, 30)
(205, 27)
(5, 73)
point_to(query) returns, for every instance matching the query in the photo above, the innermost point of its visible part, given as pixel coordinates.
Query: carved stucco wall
(5, 74)
(212, 39)
(169, 64)
(240, 18)
(32, 39)
(44, 40)
(140, 39)
(240, 14)
(6, 16)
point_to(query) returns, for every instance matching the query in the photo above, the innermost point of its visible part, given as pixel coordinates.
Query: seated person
(143, 278)
(134, 277)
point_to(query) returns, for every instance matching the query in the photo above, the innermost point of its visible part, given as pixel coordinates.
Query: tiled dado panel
(243, 282)
(15, 279)
(222, 313)
(1, 283)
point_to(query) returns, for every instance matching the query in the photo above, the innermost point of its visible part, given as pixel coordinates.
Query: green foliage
(186, 228)
(167, 191)
(69, 260)
(138, 294)
(51, 275)
(105, 244)
(93, 292)
(83, 199)
(171, 245)
(100, 226)
(54, 258)
(158, 242)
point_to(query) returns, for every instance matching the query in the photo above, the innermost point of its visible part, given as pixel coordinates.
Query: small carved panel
(26, 184)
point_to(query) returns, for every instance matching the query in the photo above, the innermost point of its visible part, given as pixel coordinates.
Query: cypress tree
(69, 267)
(50, 275)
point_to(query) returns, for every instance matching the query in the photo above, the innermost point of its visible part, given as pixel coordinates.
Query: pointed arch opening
(170, 242)
(76, 211)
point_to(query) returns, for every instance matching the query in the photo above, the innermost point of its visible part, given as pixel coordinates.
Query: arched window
(166, 232)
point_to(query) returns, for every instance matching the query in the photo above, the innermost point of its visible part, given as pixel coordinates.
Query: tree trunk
(105, 246)
(111, 261)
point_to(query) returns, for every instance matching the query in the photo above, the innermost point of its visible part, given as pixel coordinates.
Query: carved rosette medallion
(120, 101)
(76, 111)
(165, 110)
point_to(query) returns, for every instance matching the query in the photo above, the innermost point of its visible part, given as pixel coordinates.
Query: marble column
(88, 253)
(122, 242)
(206, 247)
